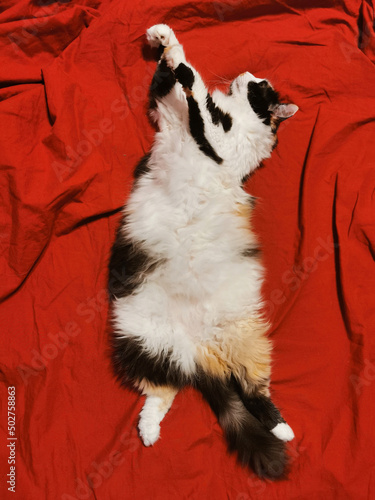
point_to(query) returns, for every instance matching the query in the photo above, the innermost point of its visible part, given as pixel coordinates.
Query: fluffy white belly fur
(204, 280)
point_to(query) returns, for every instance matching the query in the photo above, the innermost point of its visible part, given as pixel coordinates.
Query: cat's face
(255, 111)
(263, 100)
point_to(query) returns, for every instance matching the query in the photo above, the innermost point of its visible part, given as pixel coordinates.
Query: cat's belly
(194, 301)
(221, 290)
(203, 282)
(176, 313)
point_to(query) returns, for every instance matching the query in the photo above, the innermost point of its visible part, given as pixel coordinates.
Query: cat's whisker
(222, 81)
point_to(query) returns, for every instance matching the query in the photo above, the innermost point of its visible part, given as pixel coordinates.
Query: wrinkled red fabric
(73, 97)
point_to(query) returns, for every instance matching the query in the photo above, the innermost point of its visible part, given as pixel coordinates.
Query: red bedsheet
(73, 98)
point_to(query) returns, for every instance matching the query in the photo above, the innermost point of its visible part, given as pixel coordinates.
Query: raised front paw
(161, 34)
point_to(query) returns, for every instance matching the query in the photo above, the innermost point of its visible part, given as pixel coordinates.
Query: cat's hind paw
(149, 431)
(161, 34)
(283, 431)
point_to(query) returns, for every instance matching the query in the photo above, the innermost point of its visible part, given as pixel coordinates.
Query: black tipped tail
(255, 446)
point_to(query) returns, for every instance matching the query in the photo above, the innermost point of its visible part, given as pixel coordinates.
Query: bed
(73, 101)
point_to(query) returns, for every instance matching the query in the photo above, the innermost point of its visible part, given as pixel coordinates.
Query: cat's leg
(197, 95)
(163, 83)
(198, 99)
(254, 380)
(159, 399)
(167, 100)
(244, 352)
(151, 352)
(174, 55)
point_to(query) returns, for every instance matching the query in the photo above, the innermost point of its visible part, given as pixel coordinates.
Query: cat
(185, 272)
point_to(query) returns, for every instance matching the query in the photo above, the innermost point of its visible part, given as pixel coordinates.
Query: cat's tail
(255, 445)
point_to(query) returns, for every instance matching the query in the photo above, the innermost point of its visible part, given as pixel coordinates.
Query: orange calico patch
(212, 360)
(243, 212)
(165, 392)
(188, 92)
(242, 349)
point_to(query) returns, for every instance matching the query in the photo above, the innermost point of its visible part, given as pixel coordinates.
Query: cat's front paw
(160, 34)
(149, 431)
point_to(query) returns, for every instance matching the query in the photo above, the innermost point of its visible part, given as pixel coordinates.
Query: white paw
(160, 34)
(283, 431)
(149, 431)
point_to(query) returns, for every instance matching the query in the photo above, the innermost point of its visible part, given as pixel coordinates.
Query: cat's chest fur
(187, 212)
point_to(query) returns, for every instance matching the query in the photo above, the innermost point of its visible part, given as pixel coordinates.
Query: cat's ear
(284, 111)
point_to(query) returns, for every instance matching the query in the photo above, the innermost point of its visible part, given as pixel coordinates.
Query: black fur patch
(162, 83)
(252, 252)
(217, 115)
(184, 75)
(264, 410)
(142, 167)
(275, 123)
(197, 131)
(132, 363)
(252, 201)
(261, 96)
(128, 266)
(216, 391)
(245, 178)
